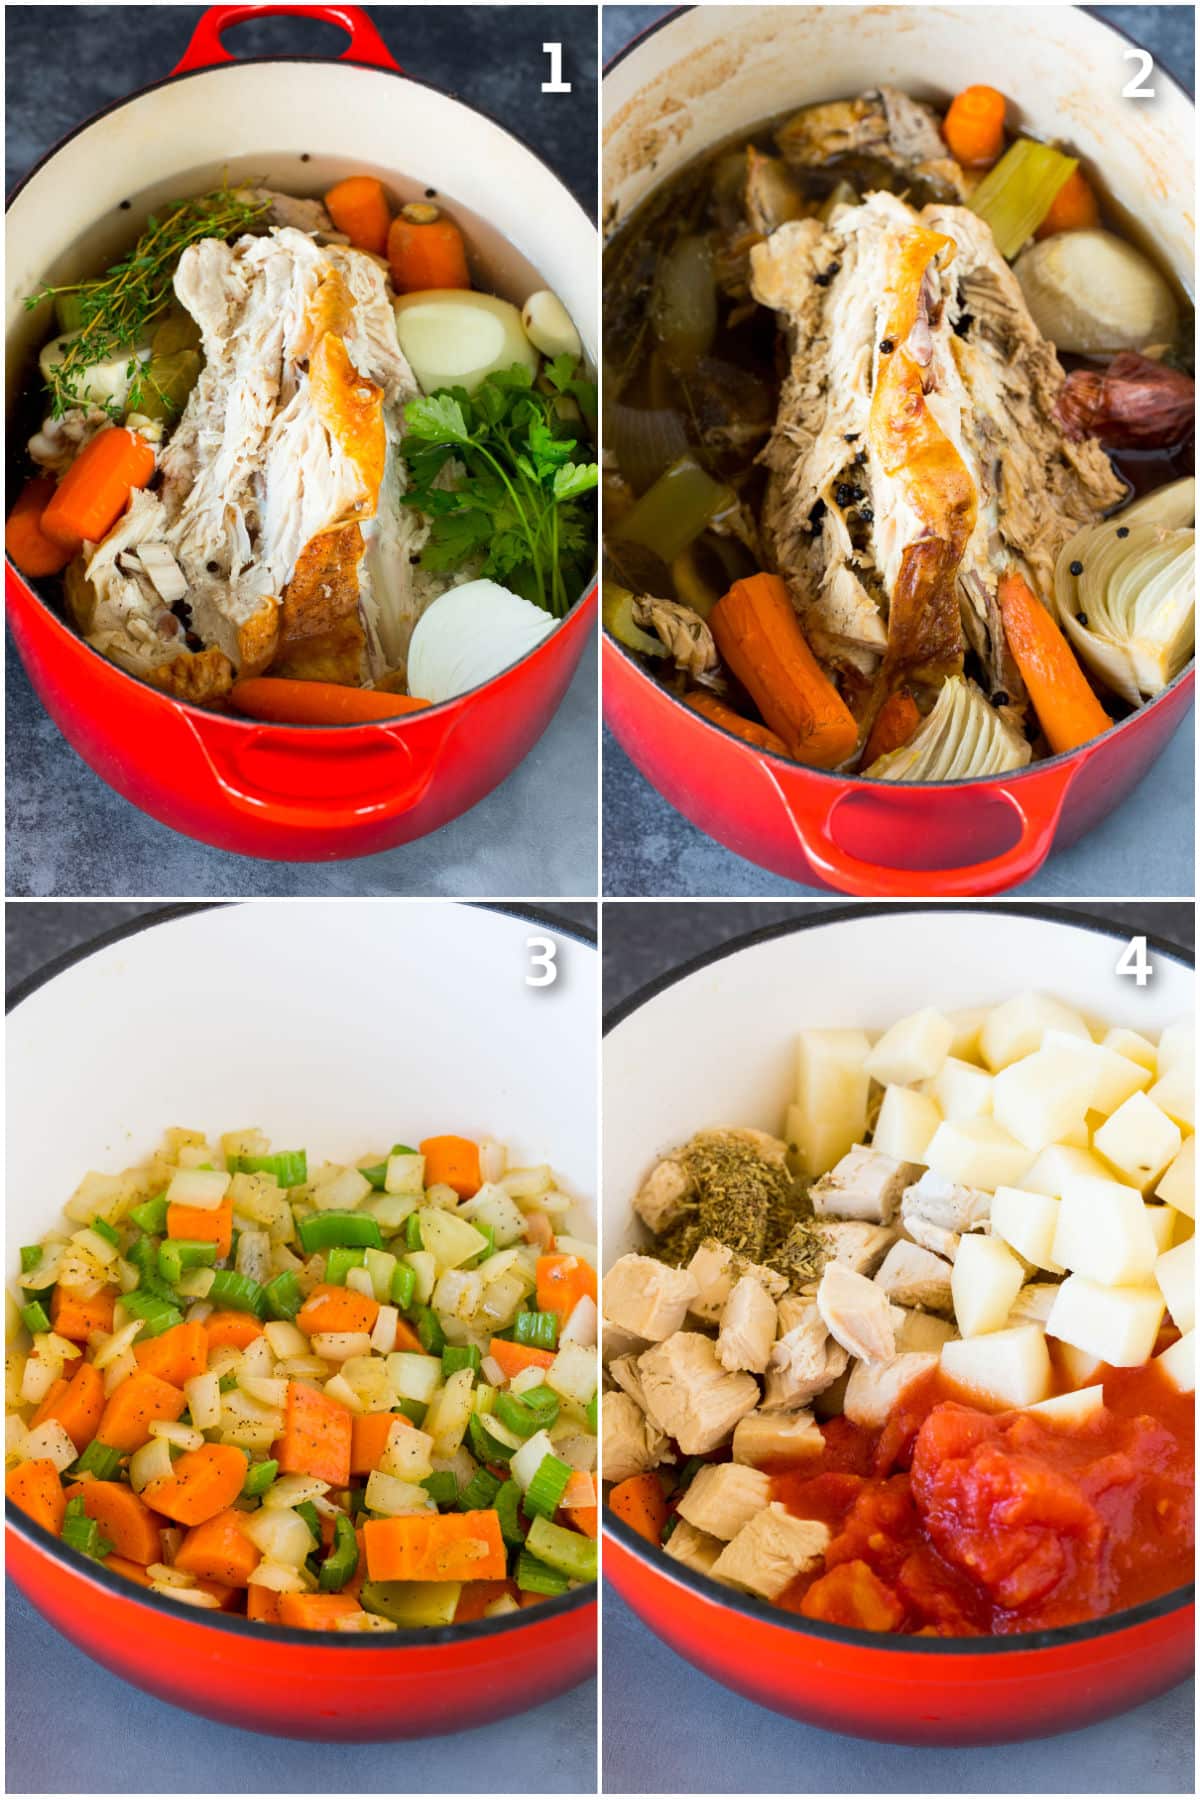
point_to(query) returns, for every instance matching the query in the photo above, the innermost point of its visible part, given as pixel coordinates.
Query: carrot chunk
(133, 1407)
(897, 720)
(121, 1565)
(316, 1612)
(296, 702)
(709, 707)
(317, 1435)
(235, 1328)
(759, 636)
(33, 552)
(123, 1517)
(477, 1596)
(50, 1399)
(202, 1483)
(1068, 711)
(263, 1604)
(465, 1546)
(76, 1319)
(210, 1225)
(407, 1339)
(562, 1281)
(515, 1357)
(333, 1308)
(426, 250)
(97, 487)
(368, 1439)
(218, 1550)
(358, 206)
(176, 1355)
(640, 1501)
(1073, 208)
(453, 1162)
(78, 1408)
(974, 127)
(36, 1489)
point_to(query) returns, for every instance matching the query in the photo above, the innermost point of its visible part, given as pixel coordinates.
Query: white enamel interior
(258, 119)
(716, 1048)
(337, 1026)
(716, 69)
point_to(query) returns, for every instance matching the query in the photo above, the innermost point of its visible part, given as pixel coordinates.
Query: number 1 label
(556, 84)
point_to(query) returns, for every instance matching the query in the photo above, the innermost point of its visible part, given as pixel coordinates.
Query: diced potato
(1111, 1078)
(1178, 1186)
(986, 1280)
(1175, 1273)
(1175, 1093)
(1016, 1028)
(1178, 1363)
(967, 1026)
(1116, 1324)
(962, 1090)
(1162, 1221)
(1071, 1409)
(1041, 1096)
(1079, 1366)
(907, 1120)
(1133, 1045)
(914, 1048)
(1002, 1368)
(1176, 1044)
(1028, 1222)
(1055, 1166)
(830, 1113)
(977, 1153)
(1139, 1140)
(1103, 1233)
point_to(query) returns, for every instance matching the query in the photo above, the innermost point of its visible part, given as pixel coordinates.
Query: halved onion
(469, 634)
(963, 737)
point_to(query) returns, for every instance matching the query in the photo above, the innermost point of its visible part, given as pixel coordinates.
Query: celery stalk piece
(677, 508)
(1015, 196)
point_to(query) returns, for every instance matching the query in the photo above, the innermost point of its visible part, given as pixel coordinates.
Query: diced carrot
(123, 1517)
(515, 1357)
(586, 1519)
(202, 1483)
(358, 206)
(50, 1399)
(333, 1308)
(263, 1604)
(758, 634)
(316, 1612)
(894, 725)
(285, 701)
(709, 707)
(407, 1339)
(176, 1355)
(579, 1493)
(219, 1550)
(236, 1329)
(369, 1433)
(79, 1407)
(97, 487)
(640, 1501)
(426, 250)
(133, 1407)
(36, 1489)
(1073, 208)
(209, 1225)
(538, 1229)
(453, 1162)
(76, 1318)
(33, 552)
(316, 1437)
(562, 1281)
(974, 127)
(463, 1546)
(1067, 709)
(121, 1565)
(477, 1596)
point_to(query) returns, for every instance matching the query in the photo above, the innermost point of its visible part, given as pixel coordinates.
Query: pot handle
(206, 48)
(837, 867)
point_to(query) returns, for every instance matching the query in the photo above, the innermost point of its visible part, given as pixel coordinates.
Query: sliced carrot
(76, 1318)
(316, 1437)
(358, 206)
(123, 1517)
(759, 636)
(316, 1612)
(263, 1604)
(79, 1407)
(369, 1435)
(211, 1225)
(640, 1501)
(33, 552)
(586, 1519)
(133, 1407)
(974, 127)
(1067, 709)
(333, 1308)
(426, 250)
(452, 1162)
(1073, 208)
(515, 1357)
(407, 1339)
(97, 487)
(287, 702)
(562, 1281)
(235, 1329)
(218, 1550)
(121, 1565)
(202, 1483)
(709, 707)
(895, 723)
(477, 1596)
(176, 1355)
(50, 1400)
(463, 1546)
(36, 1489)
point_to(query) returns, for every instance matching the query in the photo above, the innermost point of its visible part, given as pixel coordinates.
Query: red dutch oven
(701, 77)
(299, 793)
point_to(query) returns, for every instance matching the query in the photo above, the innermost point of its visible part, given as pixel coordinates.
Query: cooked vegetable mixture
(967, 1407)
(291, 458)
(880, 388)
(351, 1398)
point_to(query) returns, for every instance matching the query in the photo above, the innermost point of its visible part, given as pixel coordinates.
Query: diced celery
(412, 1602)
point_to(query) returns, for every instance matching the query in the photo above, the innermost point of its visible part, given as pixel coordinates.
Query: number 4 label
(1134, 961)
(544, 970)
(556, 84)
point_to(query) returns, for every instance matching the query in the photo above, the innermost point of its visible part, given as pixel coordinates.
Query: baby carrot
(759, 636)
(96, 488)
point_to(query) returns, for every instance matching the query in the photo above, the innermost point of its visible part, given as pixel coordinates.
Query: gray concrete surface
(1145, 847)
(70, 834)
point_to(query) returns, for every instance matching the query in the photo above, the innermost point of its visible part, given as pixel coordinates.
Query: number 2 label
(1134, 961)
(544, 970)
(1145, 64)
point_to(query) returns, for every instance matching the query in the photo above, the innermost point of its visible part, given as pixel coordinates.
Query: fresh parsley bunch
(521, 499)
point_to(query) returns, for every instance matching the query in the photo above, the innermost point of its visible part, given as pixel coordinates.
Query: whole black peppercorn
(1077, 568)
(1082, 618)
(886, 347)
(1122, 531)
(847, 492)
(1000, 699)
(867, 514)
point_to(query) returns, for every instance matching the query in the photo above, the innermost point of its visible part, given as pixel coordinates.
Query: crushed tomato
(955, 1522)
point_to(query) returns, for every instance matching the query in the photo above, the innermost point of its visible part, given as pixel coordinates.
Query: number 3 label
(1134, 961)
(544, 971)
(1132, 89)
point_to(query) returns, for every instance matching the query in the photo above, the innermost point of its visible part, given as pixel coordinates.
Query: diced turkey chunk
(767, 1554)
(714, 1268)
(646, 1296)
(805, 1360)
(694, 1549)
(632, 1443)
(874, 1388)
(855, 1244)
(724, 1497)
(921, 1330)
(946, 1204)
(664, 1194)
(912, 1276)
(866, 1184)
(615, 1341)
(748, 1325)
(776, 1437)
(690, 1396)
(624, 1371)
(1033, 1302)
(857, 1313)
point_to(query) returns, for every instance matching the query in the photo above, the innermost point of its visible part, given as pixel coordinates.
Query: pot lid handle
(206, 48)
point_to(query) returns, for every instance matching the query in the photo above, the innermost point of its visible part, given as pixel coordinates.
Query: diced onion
(407, 1454)
(359, 1282)
(339, 1346)
(386, 1494)
(254, 1256)
(582, 1323)
(49, 1442)
(203, 1188)
(185, 1437)
(574, 1373)
(383, 1334)
(285, 1338)
(92, 1244)
(168, 1577)
(203, 1395)
(194, 1284)
(279, 1577)
(339, 1389)
(151, 1463)
(266, 1388)
(493, 1159)
(280, 1534)
(294, 1490)
(37, 1380)
(528, 1459)
(119, 1370)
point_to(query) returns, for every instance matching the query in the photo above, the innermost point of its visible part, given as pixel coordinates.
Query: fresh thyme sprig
(115, 308)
